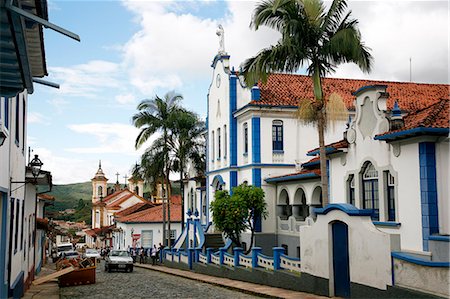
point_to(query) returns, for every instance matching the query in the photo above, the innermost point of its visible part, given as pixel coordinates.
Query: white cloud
(37, 118)
(398, 30)
(86, 79)
(172, 48)
(125, 99)
(59, 104)
(111, 138)
(69, 169)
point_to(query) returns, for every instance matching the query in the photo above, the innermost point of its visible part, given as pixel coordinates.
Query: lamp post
(35, 165)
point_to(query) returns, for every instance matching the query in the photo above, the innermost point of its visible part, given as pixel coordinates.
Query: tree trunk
(323, 159)
(182, 195)
(321, 123)
(168, 208)
(164, 210)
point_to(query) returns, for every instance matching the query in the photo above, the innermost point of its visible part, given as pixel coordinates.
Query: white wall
(369, 250)
(443, 187)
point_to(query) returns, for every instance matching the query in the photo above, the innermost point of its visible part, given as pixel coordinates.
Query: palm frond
(306, 112)
(335, 111)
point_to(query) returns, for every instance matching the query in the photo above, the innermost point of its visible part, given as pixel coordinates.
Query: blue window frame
(390, 182)
(245, 138)
(277, 135)
(370, 191)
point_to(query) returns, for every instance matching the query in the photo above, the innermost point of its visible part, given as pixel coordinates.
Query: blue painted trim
(256, 93)
(368, 87)
(347, 208)
(217, 58)
(294, 259)
(293, 177)
(256, 181)
(19, 277)
(264, 106)
(415, 260)
(219, 178)
(439, 238)
(251, 165)
(415, 131)
(309, 164)
(381, 223)
(328, 150)
(233, 120)
(278, 151)
(233, 180)
(428, 191)
(256, 140)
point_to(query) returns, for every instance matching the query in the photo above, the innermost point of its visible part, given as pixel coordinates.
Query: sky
(134, 50)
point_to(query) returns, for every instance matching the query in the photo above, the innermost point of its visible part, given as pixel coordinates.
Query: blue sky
(131, 50)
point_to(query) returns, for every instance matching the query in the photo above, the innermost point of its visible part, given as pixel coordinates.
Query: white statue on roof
(221, 34)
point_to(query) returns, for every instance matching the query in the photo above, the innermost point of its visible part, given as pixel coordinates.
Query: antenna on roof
(410, 70)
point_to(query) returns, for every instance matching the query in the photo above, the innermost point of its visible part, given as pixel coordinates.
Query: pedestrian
(141, 255)
(133, 254)
(154, 255)
(160, 252)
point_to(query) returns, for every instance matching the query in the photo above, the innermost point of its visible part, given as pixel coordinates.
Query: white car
(119, 259)
(70, 255)
(92, 253)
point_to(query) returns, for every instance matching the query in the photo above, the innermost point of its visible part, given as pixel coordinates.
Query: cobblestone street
(143, 283)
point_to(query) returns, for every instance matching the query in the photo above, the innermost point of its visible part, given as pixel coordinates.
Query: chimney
(396, 121)
(256, 93)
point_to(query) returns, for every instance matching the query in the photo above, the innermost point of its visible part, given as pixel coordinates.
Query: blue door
(341, 269)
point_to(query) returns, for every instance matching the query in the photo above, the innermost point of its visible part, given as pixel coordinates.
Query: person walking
(160, 252)
(142, 255)
(154, 255)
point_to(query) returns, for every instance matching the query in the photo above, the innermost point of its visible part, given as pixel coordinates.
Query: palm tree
(187, 143)
(156, 116)
(309, 36)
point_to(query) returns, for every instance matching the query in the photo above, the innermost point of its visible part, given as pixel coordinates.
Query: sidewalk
(246, 287)
(47, 290)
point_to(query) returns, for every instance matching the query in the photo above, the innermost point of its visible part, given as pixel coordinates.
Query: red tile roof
(297, 175)
(332, 147)
(46, 197)
(154, 214)
(288, 89)
(134, 208)
(433, 116)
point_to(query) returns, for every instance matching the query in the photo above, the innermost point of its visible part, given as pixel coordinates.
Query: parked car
(92, 253)
(70, 255)
(119, 259)
(63, 248)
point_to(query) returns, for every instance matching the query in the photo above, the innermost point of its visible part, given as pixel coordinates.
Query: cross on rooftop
(117, 180)
(125, 177)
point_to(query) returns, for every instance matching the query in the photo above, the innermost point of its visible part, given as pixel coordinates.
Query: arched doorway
(341, 265)
(300, 209)
(283, 207)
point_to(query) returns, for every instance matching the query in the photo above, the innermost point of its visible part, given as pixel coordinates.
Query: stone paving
(142, 283)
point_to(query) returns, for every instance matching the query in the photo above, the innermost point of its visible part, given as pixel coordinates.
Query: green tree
(156, 116)
(80, 204)
(187, 144)
(313, 37)
(235, 214)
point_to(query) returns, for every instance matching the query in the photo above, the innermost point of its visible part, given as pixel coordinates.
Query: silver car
(119, 259)
(92, 253)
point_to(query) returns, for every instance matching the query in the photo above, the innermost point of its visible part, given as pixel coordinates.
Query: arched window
(283, 208)
(225, 141)
(100, 191)
(300, 209)
(390, 187)
(136, 190)
(245, 129)
(370, 190)
(351, 189)
(277, 135)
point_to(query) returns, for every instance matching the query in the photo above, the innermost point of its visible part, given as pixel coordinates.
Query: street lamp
(35, 165)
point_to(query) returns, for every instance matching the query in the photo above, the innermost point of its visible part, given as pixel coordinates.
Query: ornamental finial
(221, 34)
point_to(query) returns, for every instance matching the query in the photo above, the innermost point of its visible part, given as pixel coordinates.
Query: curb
(236, 288)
